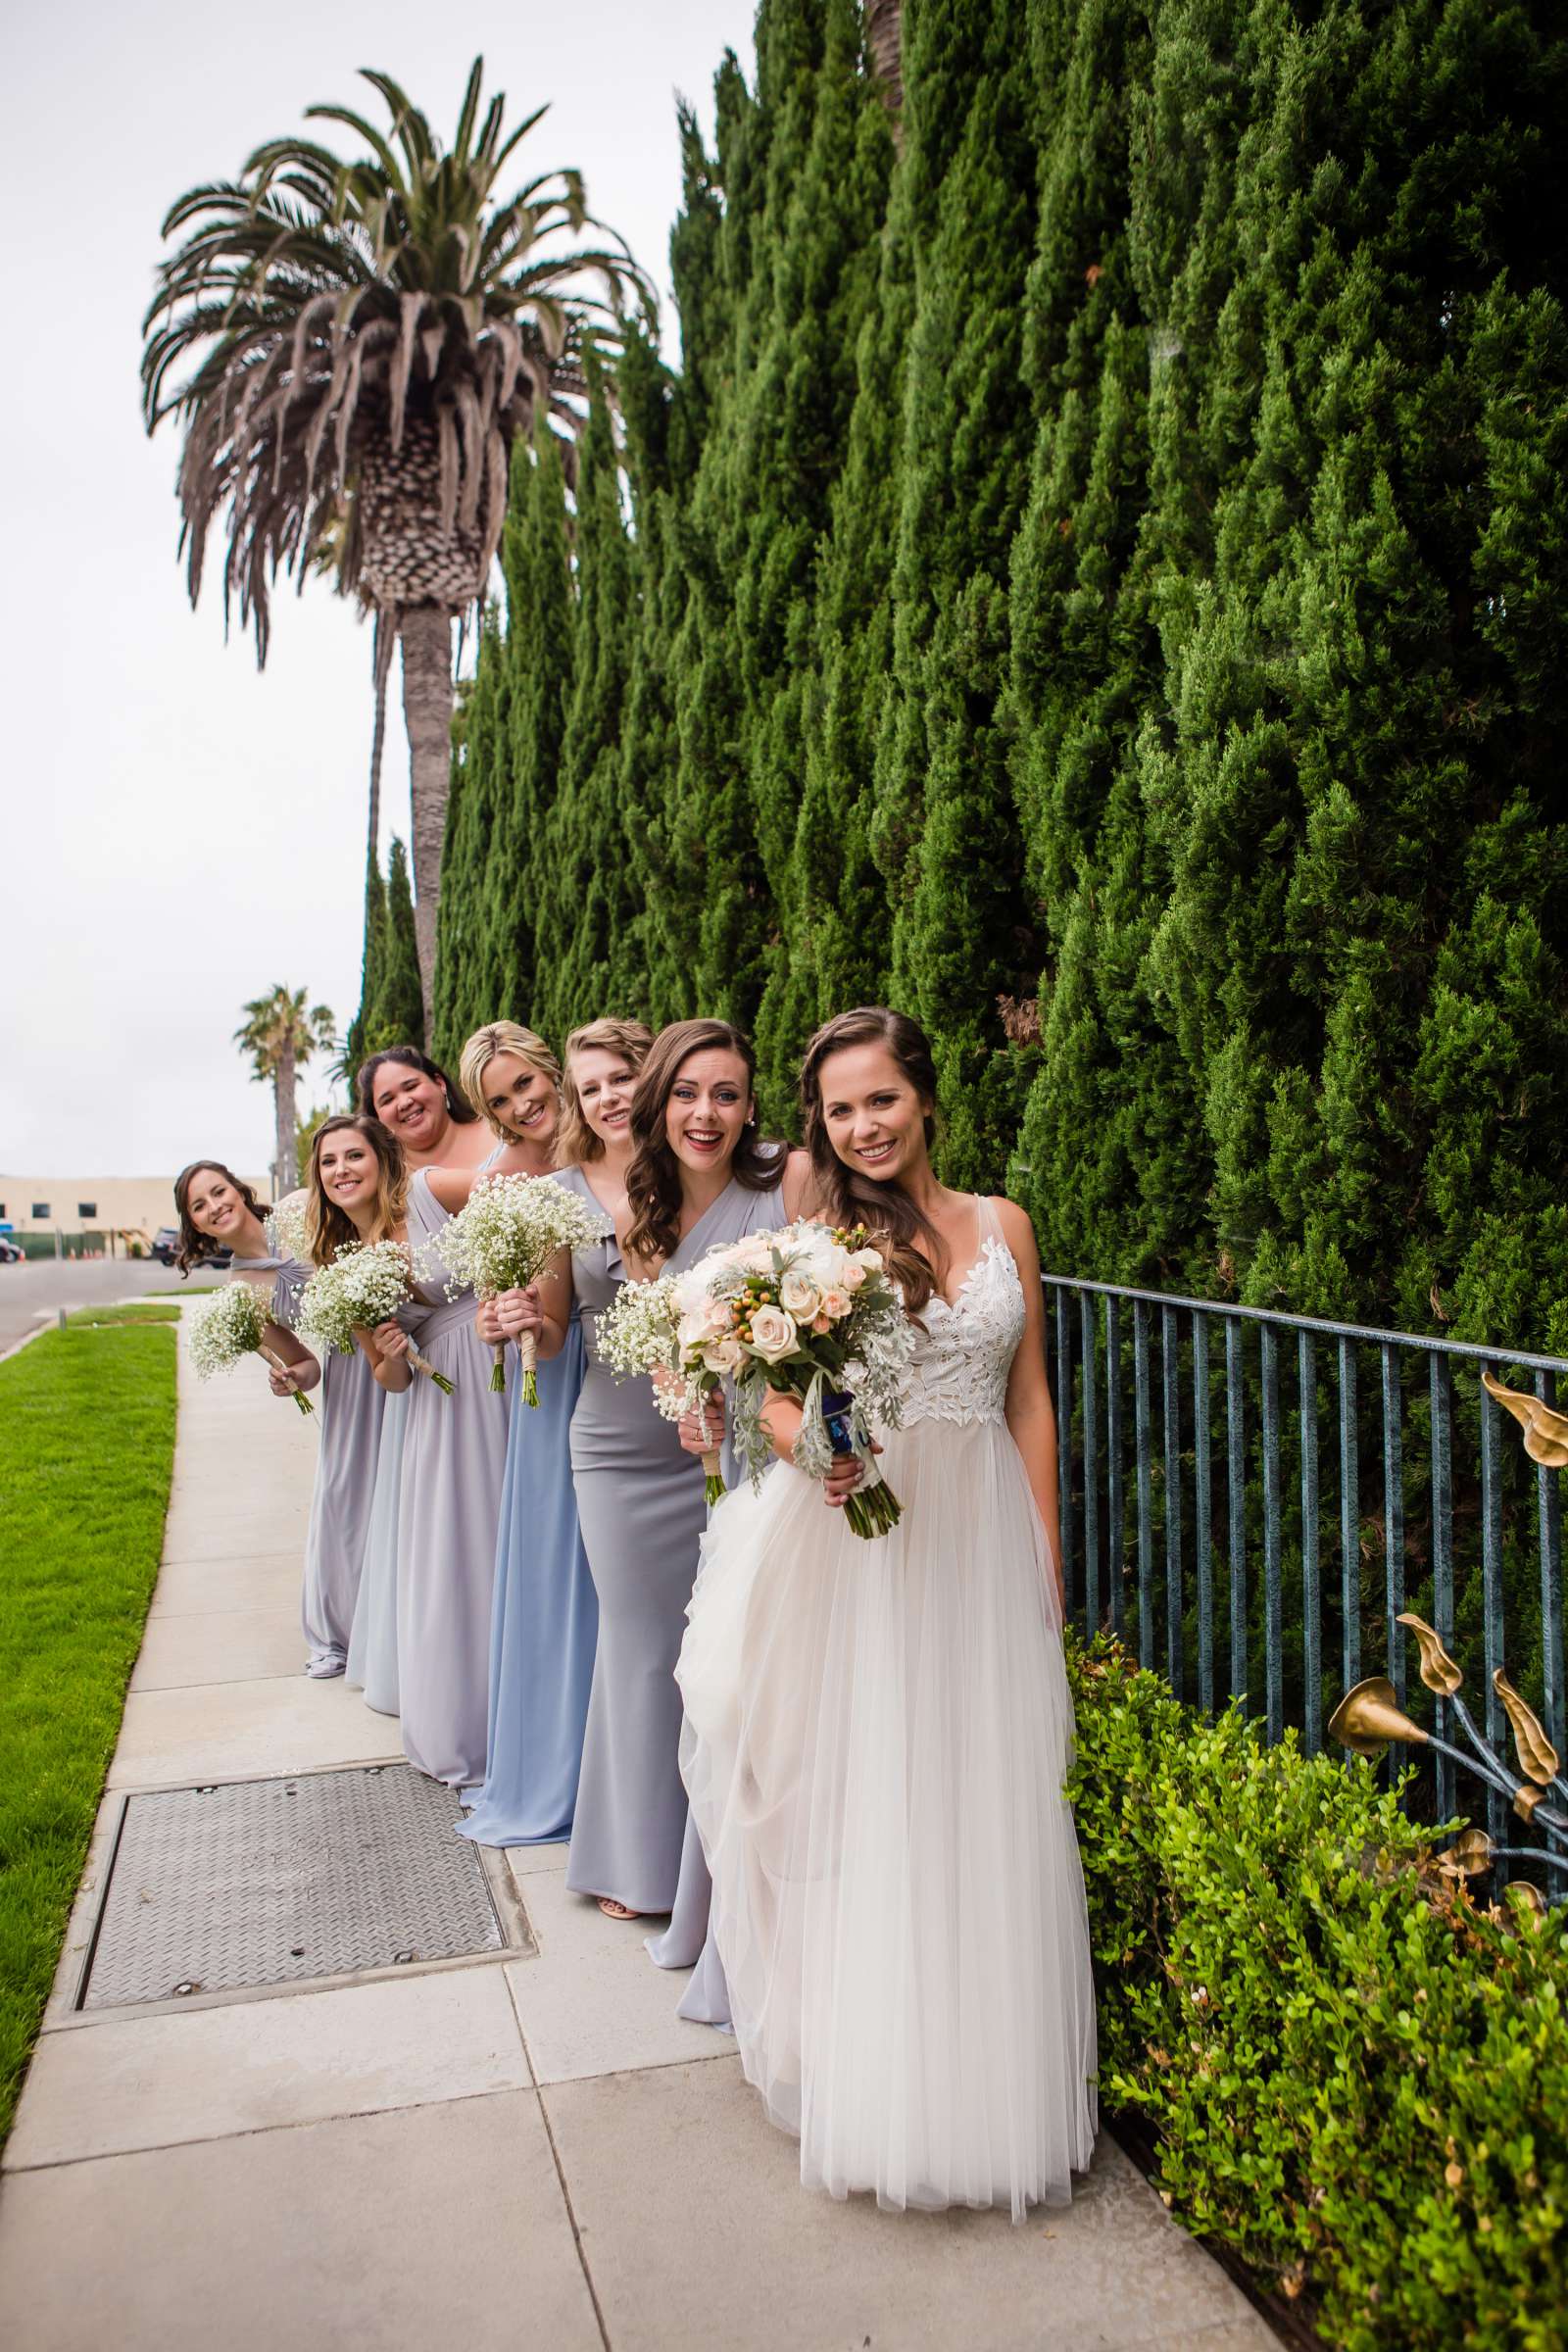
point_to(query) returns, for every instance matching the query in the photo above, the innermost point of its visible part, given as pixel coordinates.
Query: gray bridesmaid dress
(641, 1509)
(454, 1459)
(350, 1403)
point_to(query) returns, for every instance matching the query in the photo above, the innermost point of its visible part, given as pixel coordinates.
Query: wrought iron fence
(1194, 1519)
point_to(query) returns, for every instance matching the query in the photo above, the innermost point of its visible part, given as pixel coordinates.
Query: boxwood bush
(1357, 2076)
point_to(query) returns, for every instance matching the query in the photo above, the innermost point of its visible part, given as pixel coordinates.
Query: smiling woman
(413, 1097)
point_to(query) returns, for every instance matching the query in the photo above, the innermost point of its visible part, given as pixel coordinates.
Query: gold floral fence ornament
(1370, 1716)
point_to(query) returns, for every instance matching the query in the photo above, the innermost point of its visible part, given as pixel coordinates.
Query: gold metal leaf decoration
(1438, 1670)
(1533, 1899)
(1368, 1717)
(1471, 1852)
(1537, 1758)
(1546, 1432)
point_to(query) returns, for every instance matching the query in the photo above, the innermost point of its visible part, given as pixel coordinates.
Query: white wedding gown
(875, 1738)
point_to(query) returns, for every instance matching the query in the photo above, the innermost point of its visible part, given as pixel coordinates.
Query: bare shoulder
(1017, 1232)
(800, 1190)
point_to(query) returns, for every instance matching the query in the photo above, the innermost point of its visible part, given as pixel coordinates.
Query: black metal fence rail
(1215, 1561)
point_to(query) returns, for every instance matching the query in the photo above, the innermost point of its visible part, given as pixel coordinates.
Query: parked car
(165, 1241)
(10, 1251)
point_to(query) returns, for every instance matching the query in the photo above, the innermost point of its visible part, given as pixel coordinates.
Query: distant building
(109, 1209)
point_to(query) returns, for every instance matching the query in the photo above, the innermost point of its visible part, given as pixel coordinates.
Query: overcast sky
(181, 833)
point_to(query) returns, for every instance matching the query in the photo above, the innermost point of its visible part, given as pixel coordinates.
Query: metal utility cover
(258, 1883)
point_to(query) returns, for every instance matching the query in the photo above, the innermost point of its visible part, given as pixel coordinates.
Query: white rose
(755, 1256)
(694, 1329)
(799, 1294)
(773, 1335)
(871, 1260)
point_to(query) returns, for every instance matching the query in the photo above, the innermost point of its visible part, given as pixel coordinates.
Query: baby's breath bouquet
(504, 1239)
(287, 1227)
(230, 1324)
(363, 1286)
(639, 1334)
(810, 1312)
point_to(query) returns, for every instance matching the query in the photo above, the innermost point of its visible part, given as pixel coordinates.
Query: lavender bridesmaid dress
(350, 1406)
(641, 1509)
(454, 1459)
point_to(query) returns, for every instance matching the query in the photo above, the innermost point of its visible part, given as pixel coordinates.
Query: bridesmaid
(217, 1209)
(697, 1175)
(545, 1617)
(413, 1097)
(453, 1447)
(356, 1192)
(416, 1102)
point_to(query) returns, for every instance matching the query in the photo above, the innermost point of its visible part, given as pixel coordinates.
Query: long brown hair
(329, 1228)
(576, 1145)
(652, 1178)
(913, 1249)
(195, 1248)
(460, 1111)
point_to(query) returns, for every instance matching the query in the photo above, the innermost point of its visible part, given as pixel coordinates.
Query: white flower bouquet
(639, 1334)
(287, 1227)
(231, 1323)
(503, 1240)
(363, 1286)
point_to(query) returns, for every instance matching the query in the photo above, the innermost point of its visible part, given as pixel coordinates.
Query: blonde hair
(502, 1037)
(576, 1143)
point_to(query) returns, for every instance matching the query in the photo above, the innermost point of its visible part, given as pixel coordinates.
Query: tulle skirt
(874, 1745)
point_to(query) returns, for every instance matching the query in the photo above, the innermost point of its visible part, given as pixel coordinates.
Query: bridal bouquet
(364, 1285)
(639, 1331)
(228, 1325)
(504, 1239)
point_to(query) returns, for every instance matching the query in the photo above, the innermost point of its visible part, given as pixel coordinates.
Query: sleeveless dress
(545, 1624)
(876, 1735)
(641, 1509)
(349, 1407)
(454, 1459)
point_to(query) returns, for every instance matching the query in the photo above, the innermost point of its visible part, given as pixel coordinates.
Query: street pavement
(35, 1290)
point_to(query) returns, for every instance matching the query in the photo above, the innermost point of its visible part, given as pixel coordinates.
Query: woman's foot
(614, 1910)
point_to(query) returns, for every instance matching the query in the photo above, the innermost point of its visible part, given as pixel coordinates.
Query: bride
(876, 1730)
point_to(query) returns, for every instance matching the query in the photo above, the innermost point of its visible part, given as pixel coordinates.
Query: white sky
(180, 833)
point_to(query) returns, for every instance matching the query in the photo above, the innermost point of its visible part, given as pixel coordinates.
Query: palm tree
(362, 342)
(279, 1034)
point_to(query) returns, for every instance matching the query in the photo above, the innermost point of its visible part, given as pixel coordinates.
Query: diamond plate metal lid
(258, 1883)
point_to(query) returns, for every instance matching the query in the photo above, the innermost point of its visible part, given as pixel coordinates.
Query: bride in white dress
(876, 1731)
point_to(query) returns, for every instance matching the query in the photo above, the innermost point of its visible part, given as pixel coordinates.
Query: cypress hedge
(1097, 577)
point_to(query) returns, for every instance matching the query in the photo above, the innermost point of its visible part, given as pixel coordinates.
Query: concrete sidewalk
(524, 2149)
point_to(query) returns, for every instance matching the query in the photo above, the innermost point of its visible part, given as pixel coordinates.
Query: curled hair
(913, 1249)
(458, 1110)
(329, 1228)
(502, 1037)
(653, 1179)
(195, 1248)
(576, 1143)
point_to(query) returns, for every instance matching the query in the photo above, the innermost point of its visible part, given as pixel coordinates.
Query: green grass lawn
(137, 1310)
(86, 1447)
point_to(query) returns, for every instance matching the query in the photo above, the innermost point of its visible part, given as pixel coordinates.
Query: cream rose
(773, 1335)
(722, 1356)
(799, 1297)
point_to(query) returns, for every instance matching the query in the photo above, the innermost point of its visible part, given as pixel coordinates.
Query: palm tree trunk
(426, 634)
(381, 663)
(286, 1097)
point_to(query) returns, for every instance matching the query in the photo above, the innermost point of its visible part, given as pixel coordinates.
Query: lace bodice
(964, 1356)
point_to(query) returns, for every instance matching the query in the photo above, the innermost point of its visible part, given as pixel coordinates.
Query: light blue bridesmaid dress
(545, 1622)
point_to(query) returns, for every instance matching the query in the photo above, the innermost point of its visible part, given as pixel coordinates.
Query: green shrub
(1357, 2077)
